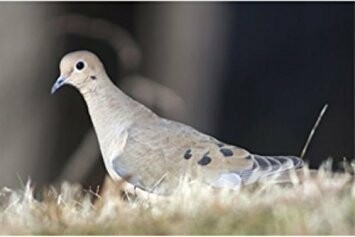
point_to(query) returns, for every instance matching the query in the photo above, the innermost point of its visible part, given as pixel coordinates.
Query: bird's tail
(264, 166)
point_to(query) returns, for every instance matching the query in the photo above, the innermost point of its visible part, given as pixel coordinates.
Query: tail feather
(265, 166)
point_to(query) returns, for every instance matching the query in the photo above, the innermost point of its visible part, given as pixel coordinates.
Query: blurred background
(251, 74)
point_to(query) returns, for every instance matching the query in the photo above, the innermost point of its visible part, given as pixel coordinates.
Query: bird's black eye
(80, 65)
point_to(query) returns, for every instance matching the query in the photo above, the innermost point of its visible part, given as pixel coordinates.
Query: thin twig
(313, 130)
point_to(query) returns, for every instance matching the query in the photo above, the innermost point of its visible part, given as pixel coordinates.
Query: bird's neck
(112, 113)
(111, 110)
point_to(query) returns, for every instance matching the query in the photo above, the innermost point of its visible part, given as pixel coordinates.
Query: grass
(322, 205)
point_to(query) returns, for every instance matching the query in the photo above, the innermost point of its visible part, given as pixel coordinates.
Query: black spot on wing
(187, 154)
(226, 152)
(205, 160)
(220, 144)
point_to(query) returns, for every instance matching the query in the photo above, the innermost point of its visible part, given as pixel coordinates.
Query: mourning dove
(154, 95)
(153, 153)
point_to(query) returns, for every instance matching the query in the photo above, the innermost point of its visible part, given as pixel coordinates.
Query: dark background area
(251, 74)
(286, 61)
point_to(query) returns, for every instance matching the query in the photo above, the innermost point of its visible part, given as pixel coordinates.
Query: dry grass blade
(322, 112)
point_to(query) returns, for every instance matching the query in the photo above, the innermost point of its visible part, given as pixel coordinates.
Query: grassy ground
(322, 205)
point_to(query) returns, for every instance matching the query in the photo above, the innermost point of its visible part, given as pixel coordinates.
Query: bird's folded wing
(166, 150)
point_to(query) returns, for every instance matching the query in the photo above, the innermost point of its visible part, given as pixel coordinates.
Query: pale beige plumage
(153, 153)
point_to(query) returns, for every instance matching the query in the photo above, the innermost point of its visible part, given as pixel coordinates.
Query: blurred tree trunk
(183, 46)
(26, 118)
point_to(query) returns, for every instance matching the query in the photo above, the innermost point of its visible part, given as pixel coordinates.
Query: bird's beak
(58, 83)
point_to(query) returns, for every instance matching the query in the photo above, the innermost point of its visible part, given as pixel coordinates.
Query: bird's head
(80, 69)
